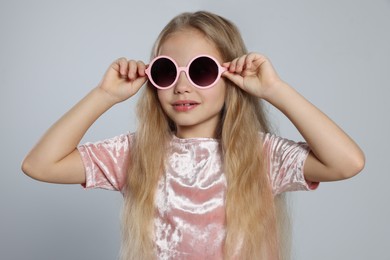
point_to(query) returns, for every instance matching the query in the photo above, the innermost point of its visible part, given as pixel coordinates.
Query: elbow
(30, 168)
(26, 167)
(354, 166)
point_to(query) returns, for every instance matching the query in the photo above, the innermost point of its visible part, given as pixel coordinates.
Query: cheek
(162, 96)
(163, 99)
(218, 94)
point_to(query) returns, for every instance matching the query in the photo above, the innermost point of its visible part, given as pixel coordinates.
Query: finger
(141, 67)
(139, 82)
(123, 67)
(115, 65)
(240, 64)
(132, 69)
(249, 68)
(258, 59)
(237, 79)
(263, 64)
(232, 66)
(250, 59)
(136, 85)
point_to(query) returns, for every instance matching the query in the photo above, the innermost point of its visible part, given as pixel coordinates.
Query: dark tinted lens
(163, 72)
(203, 71)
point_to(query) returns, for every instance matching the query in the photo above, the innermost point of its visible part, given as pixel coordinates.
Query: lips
(184, 105)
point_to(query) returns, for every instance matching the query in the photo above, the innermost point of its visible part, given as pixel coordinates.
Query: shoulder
(114, 147)
(119, 139)
(274, 142)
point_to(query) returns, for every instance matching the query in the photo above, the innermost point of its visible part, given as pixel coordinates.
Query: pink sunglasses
(203, 72)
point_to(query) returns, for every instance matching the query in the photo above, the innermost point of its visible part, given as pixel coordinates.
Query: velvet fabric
(190, 198)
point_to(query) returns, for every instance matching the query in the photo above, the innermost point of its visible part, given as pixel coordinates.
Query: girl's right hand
(55, 158)
(123, 79)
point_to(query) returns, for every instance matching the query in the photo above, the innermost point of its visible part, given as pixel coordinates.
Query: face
(196, 112)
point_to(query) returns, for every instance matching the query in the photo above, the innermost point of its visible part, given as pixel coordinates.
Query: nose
(182, 85)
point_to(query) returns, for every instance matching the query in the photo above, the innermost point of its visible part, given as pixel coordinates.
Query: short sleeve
(106, 162)
(286, 161)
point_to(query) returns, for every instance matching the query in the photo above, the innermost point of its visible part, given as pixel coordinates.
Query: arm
(334, 155)
(55, 157)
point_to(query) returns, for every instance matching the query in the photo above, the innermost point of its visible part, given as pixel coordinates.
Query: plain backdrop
(52, 53)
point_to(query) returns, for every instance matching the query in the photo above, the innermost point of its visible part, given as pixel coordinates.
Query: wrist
(275, 91)
(104, 97)
(284, 97)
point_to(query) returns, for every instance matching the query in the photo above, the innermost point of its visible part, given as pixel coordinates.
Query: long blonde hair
(253, 226)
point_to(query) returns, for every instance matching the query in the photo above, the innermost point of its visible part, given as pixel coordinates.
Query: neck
(194, 132)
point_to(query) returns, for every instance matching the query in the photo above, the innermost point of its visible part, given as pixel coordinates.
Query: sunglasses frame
(186, 70)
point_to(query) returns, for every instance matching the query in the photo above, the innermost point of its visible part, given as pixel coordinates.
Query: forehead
(185, 44)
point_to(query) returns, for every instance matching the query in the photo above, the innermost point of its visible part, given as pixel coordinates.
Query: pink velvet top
(190, 214)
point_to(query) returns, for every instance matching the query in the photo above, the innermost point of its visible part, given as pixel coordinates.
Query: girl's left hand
(253, 73)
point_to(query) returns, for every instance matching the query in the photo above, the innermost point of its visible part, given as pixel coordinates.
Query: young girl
(202, 176)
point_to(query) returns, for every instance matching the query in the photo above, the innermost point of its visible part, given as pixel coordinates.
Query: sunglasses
(203, 72)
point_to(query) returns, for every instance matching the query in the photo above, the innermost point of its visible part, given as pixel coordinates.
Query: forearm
(339, 156)
(55, 157)
(62, 138)
(334, 155)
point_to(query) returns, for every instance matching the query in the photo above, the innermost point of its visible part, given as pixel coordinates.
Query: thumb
(235, 78)
(138, 83)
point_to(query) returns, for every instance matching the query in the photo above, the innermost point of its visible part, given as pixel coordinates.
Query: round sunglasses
(203, 72)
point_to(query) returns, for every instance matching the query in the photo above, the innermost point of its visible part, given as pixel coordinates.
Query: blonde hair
(253, 228)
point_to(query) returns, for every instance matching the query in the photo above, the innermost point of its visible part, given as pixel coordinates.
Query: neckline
(193, 139)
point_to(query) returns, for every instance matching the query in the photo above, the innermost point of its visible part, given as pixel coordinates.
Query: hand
(253, 73)
(123, 79)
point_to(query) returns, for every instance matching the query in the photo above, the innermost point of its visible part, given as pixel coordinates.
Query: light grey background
(336, 53)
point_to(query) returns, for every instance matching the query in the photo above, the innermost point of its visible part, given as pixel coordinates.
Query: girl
(202, 177)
